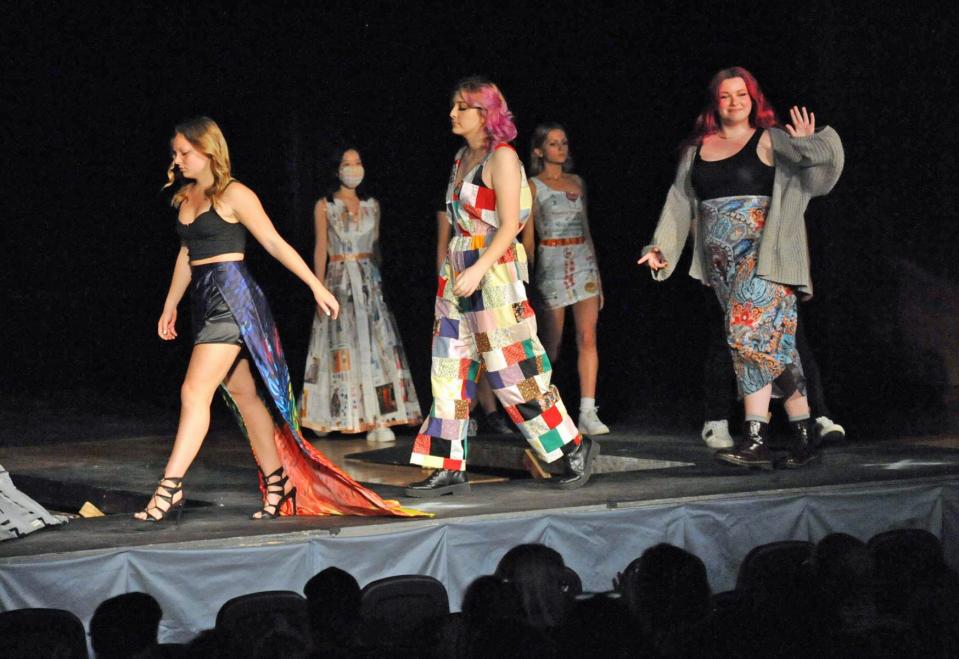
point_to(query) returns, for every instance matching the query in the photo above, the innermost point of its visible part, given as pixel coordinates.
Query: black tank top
(741, 174)
(210, 235)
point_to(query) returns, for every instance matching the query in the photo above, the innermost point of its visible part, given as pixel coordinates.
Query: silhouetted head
(665, 588)
(538, 573)
(124, 625)
(333, 604)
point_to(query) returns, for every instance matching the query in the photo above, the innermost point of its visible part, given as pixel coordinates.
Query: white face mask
(351, 175)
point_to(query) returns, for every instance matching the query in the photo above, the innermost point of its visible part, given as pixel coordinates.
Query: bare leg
(796, 405)
(551, 331)
(259, 424)
(757, 403)
(586, 315)
(209, 364)
(484, 393)
(256, 417)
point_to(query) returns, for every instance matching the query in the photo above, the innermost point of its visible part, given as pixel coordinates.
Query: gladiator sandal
(276, 484)
(167, 489)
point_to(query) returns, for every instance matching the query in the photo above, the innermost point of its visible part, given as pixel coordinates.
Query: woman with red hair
(483, 318)
(746, 183)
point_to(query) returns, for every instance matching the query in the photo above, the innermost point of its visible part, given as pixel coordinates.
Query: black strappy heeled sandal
(276, 484)
(155, 513)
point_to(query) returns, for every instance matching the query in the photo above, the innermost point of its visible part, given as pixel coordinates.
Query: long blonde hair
(207, 138)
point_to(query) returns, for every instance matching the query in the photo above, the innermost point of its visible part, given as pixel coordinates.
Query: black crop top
(210, 235)
(741, 174)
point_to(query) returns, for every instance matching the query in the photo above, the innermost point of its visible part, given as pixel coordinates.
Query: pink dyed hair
(481, 93)
(761, 116)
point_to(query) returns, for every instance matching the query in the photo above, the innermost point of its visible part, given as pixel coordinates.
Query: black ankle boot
(801, 449)
(496, 423)
(753, 450)
(579, 464)
(440, 482)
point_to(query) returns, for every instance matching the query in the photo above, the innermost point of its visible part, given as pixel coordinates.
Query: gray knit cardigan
(806, 167)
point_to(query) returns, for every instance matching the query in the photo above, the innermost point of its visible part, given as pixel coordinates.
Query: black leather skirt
(213, 322)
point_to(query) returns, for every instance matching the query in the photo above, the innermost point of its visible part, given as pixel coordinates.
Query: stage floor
(118, 475)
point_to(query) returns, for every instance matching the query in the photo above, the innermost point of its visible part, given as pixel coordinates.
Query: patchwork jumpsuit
(494, 328)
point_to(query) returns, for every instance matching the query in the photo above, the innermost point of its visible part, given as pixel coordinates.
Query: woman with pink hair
(483, 318)
(746, 183)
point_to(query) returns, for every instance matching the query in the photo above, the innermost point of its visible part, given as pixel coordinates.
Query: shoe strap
(164, 493)
(276, 482)
(285, 496)
(167, 492)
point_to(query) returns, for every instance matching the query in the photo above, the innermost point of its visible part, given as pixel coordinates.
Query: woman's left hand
(803, 123)
(326, 303)
(467, 281)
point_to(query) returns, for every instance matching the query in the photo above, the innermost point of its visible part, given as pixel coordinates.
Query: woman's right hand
(654, 259)
(166, 327)
(326, 302)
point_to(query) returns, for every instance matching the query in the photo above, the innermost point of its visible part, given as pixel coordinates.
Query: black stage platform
(656, 488)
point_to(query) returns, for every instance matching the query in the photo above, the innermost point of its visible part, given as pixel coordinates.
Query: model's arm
(443, 230)
(819, 154)
(166, 328)
(247, 208)
(673, 226)
(506, 179)
(320, 245)
(589, 239)
(528, 237)
(377, 254)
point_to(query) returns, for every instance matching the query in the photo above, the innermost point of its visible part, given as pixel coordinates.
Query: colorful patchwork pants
(494, 328)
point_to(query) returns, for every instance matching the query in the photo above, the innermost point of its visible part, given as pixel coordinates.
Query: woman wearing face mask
(482, 315)
(357, 379)
(746, 183)
(236, 341)
(566, 272)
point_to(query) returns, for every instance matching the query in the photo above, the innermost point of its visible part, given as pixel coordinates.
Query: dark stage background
(95, 89)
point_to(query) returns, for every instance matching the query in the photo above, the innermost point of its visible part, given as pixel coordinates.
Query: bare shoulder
(531, 182)
(319, 208)
(504, 157)
(237, 194)
(578, 180)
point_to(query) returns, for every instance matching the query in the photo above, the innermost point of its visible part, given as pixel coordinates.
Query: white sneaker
(589, 423)
(380, 436)
(716, 434)
(830, 430)
(472, 428)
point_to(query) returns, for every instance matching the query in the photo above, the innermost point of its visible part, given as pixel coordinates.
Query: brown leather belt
(362, 256)
(560, 242)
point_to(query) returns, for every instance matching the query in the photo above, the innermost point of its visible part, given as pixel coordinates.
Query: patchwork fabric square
(514, 353)
(522, 310)
(533, 366)
(483, 342)
(462, 410)
(447, 327)
(446, 367)
(495, 296)
(529, 389)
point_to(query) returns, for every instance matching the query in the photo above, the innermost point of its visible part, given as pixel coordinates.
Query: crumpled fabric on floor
(19, 514)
